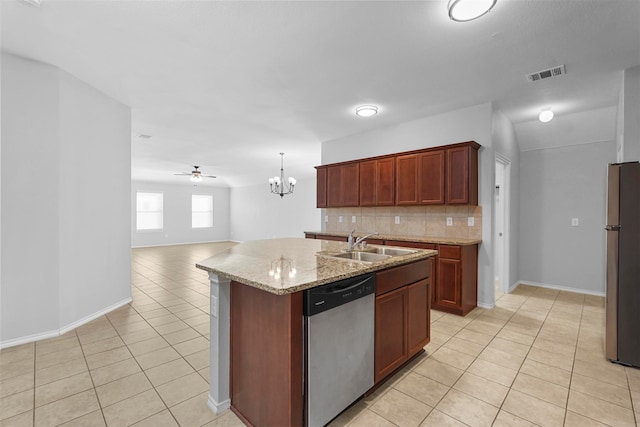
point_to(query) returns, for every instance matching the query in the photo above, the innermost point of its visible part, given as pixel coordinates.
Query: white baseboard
(558, 288)
(485, 305)
(183, 243)
(55, 333)
(216, 407)
(93, 316)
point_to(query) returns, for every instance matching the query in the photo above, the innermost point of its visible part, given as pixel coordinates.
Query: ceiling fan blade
(186, 174)
(209, 176)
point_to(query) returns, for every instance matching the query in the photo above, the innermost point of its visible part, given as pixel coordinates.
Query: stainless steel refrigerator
(623, 264)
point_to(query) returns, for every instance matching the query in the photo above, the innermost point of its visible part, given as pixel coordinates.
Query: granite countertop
(422, 239)
(303, 264)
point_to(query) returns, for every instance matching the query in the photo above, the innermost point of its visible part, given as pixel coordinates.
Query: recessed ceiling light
(468, 10)
(34, 3)
(546, 116)
(366, 110)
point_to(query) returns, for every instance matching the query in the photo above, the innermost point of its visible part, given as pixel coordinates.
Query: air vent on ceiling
(549, 72)
(143, 136)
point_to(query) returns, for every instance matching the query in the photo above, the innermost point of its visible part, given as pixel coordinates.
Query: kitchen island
(257, 331)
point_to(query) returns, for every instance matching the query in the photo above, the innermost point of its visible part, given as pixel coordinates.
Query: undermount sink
(382, 250)
(362, 256)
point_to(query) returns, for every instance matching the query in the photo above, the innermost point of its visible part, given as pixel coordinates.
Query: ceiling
(227, 85)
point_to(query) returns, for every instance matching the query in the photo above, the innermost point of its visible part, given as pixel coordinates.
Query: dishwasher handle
(326, 297)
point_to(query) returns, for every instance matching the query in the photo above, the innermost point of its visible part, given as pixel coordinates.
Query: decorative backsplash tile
(422, 221)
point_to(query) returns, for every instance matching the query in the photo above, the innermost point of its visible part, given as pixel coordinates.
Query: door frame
(505, 163)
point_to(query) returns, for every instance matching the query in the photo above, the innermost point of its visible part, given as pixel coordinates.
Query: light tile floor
(535, 359)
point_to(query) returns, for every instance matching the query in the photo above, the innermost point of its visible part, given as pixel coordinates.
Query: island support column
(219, 396)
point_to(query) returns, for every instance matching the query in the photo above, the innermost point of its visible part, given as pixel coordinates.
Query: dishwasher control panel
(335, 294)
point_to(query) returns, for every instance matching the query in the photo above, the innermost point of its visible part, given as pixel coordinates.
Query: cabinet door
(391, 329)
(458, 175)
(385, 189)
(418, 318)
(431, 178)
(407, 180)
(334, 186)
(350, 185)
(368, 183)
(447, 291)
(321, 187)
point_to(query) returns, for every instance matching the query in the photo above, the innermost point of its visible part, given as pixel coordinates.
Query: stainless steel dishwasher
(339, 346)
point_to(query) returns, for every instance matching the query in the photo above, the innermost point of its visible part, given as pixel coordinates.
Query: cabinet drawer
(404, 244)
(451, 252)
(393, 278)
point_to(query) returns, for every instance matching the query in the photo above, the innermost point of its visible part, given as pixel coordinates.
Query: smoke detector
(545, 74)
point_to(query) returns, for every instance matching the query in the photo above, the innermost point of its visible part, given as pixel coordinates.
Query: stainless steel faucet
(351, 244)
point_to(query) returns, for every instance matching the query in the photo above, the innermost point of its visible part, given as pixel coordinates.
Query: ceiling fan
(195, 175)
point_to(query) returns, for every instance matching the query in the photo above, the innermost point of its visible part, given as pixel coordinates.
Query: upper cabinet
(376, 182)
(342, 187)
(462, 175)
(433, 176)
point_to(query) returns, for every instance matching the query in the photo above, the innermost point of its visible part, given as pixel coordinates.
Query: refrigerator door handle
(612, 228)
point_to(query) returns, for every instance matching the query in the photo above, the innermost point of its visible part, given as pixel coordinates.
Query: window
(201, 211)
(148, 211)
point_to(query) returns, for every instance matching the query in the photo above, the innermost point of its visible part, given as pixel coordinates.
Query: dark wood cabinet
(407, 179)
(377, 182)
(418, 318)
(453, 273)
(367, 183)
(256, 343)
(342, 185)
(431, 178)
(402, 315)
(321, 187)
(455, 288)
(390, 339)
(462, 175)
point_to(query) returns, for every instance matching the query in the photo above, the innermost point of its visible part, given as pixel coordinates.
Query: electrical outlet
(353, 219)
(326, 218)
(340, 218)
(575, 222)
(449, 221)
(397, 219)
(471, 221)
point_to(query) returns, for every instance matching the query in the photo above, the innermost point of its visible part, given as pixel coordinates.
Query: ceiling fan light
(546, 116)
(366, 110)
(196, 178)
(468, 10)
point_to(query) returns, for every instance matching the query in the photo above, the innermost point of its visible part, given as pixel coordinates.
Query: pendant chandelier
(277, 183)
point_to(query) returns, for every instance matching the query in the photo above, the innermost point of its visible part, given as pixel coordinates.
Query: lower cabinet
(456, 283)
(402, 316)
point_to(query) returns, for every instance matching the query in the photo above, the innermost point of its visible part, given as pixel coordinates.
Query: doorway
(501, 225)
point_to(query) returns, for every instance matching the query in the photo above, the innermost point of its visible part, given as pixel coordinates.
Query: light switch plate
(471, 221)
(353, 219)
(340, 218)
(575, 222)
(449, 221)
(397, 219)
(326, 218)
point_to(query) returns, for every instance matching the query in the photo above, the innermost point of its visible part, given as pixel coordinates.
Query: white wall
(505, 143)
(557, 185)
(258, 214)
(65, 242)
(631, 122)
(177, 214)
(472, 123)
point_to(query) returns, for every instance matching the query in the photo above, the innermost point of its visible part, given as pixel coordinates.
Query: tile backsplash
(420, 221)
